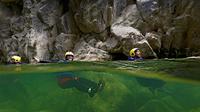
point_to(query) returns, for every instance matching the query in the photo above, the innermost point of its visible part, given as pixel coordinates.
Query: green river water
(115, 86)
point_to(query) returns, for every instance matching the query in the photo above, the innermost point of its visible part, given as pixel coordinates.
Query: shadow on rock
(152, 84)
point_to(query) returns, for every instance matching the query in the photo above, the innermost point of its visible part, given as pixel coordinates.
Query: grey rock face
(94, 29)
(173, 20)
(63, 43)
(90, 16)
(154, 40)
(43, 16)
(86, 52)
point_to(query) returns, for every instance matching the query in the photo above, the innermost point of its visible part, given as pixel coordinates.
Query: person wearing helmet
(135, 54)
(69, 56)
(15, 59)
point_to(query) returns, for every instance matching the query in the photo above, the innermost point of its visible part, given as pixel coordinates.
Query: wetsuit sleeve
(131, 59)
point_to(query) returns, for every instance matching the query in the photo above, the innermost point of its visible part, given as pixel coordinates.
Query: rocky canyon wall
(99, 29)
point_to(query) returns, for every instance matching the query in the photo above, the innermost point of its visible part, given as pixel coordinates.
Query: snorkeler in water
(69, 80)
(135, 54)
(69, 56)
(15, 59)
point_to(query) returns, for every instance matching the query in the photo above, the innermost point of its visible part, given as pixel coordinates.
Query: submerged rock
(152, 84)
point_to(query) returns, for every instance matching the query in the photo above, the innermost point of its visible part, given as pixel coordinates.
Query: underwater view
(115, 86)
(99, 56)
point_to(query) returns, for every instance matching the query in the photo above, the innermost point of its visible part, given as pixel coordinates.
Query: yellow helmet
(132, 52)
(17, 59)
(69, 54)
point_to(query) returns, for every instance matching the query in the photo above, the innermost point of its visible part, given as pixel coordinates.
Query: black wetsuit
(53, 61)
(69, 80)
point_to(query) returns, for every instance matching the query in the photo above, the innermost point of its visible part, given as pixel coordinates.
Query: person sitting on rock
(135, 54)
(69, 56)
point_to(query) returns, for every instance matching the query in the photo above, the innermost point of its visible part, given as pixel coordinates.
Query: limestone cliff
(99, 29)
